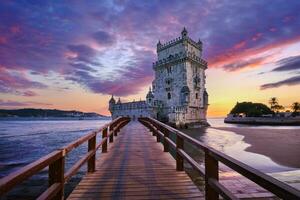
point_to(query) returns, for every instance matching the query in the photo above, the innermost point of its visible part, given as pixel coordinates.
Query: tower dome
(149, 96)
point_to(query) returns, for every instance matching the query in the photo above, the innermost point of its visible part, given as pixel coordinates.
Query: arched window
(196, 95)
(169, 95)
(185, 94)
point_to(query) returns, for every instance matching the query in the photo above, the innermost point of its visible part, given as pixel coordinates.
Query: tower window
(169, 70)
(169, 95)
(196, 95)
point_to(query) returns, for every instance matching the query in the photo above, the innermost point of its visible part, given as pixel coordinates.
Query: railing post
(92, 160)
(157, 135)
(111, 135)
(179, 158)
(156, 127)
(166, 135)
(104, 145)
(211, 172)
(113, 127)
(152, 129)
(153, 132)
(56, 175)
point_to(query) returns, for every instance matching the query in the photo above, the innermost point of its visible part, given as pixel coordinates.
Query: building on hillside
(178, 95)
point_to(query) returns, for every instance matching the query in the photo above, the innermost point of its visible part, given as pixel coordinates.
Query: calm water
(22, 142)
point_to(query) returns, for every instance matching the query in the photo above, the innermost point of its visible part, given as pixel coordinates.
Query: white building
(179, 96)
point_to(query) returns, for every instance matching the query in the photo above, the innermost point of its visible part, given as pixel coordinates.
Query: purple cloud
(241, 64)
(131, 78)
(103, 38)
(16, 83)
(288, 64)
(289, 82)
(29, 93)
(9, 103)
(39, 37)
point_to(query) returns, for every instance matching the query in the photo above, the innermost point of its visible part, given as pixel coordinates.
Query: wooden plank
(136, 167)
(122, 186)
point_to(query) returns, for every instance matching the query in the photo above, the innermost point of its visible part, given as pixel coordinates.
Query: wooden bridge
(136, 165)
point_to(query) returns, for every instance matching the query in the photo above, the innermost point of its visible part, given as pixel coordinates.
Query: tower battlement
(177, 41)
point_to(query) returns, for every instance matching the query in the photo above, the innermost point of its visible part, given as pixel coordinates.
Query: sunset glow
(73, 56)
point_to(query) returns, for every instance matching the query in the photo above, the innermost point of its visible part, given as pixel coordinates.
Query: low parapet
(178, 40)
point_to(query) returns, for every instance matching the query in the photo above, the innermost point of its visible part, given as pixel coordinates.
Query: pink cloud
(10, 103)
(29, 93)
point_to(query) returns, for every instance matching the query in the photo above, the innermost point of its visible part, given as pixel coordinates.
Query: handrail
(213, 188)
(7, 182)
(56, 161)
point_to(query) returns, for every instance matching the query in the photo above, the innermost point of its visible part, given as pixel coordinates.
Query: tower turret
(158, 46)
(112, 102)
(184, 33)
(150, 97)
(200, 44)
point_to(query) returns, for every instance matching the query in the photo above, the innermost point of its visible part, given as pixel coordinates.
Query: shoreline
(51, 118)
(280, 145)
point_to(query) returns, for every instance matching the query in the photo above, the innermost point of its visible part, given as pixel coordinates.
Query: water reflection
(233, 145)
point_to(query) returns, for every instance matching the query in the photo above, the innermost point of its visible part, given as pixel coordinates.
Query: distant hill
(43, 113)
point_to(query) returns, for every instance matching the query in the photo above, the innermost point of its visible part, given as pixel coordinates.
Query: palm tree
(273, 103)
(296, 107)
(275, 107)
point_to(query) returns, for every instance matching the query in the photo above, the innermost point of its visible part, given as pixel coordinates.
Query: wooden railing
(213, 188)
(56, 161)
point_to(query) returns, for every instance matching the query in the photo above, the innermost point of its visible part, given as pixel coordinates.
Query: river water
(22, 142)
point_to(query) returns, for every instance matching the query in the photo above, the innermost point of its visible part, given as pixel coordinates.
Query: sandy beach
(280, 145)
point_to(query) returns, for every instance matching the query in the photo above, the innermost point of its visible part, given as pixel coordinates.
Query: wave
(45, 133)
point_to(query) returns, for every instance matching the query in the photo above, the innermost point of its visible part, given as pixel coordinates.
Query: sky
(75, 54)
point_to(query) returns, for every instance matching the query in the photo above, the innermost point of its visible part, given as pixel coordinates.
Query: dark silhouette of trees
(251, 109)
(296, 108)
(275, 107)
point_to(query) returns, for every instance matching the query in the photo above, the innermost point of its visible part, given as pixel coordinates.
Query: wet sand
(280, 145)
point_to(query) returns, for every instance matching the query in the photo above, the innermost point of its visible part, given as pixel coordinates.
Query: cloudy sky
(75, 54)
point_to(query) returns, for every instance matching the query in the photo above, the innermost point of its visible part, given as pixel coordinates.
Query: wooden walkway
(135, 167)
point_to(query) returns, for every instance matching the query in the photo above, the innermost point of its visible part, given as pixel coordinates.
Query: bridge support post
(104, 145)
(157, 136)
(111, 135)
(179, 158)
(166, 135)
(112, 127)
(56, 175)
(92, 160)
(211, 172)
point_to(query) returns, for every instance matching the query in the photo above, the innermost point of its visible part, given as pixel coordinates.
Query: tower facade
(178, 95)
(179, 85)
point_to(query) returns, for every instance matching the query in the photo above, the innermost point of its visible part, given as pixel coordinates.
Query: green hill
(31, 112)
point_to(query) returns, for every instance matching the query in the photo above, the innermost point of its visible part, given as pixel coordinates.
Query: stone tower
(179, 86)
